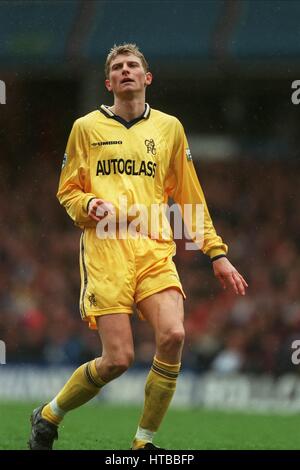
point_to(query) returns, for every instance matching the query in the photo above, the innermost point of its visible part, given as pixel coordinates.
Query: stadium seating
(44, 32)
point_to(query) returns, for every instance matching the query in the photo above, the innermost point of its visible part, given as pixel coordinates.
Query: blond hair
(124, 49)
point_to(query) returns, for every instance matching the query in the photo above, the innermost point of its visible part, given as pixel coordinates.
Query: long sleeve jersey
(146, 161)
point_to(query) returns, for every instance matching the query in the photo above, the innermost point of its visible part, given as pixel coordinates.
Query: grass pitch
(102, 426)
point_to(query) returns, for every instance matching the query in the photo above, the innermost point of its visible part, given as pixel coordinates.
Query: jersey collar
(109, 114)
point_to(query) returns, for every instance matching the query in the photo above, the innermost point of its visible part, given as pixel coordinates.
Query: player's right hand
(98, 209)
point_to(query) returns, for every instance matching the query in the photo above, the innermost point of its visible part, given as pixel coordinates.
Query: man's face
(127, 76)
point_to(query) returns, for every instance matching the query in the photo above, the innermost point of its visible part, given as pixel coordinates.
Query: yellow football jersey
(146, 161)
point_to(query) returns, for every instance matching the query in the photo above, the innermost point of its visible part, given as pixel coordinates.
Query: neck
(128, 109)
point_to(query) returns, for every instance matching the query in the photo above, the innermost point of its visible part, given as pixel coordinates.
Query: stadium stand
(39, 33)
(267, 30)
(256, 212)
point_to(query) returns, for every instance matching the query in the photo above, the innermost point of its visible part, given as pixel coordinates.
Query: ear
(148, 78)
(108, 85)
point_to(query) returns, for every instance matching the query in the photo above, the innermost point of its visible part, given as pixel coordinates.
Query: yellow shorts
(116, 273)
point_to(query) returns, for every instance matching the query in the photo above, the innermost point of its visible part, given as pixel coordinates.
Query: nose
(125, 69)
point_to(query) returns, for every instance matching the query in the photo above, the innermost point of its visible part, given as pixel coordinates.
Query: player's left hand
(229, 276)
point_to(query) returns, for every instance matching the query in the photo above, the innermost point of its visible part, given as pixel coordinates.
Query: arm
(74, 190)
(184, 187)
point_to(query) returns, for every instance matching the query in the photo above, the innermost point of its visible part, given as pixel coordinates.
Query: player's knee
(119, 364)
(172, 339)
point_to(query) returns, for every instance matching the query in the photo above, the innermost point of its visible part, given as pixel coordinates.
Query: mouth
(127, 80)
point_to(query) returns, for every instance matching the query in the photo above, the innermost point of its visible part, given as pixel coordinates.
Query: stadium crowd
(255, 207)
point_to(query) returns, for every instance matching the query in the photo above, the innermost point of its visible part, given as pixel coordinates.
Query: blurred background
(225, 68)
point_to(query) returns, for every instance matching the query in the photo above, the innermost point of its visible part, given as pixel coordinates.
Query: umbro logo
(108, 142)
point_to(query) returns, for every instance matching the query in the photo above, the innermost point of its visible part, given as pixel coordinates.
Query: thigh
(116, 334)
(163, 310)
(107, 277)
(156, 270)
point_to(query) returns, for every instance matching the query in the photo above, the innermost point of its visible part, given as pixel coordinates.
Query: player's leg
(164, 311)
(117, 346)
(86, 382)
(116, 337)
